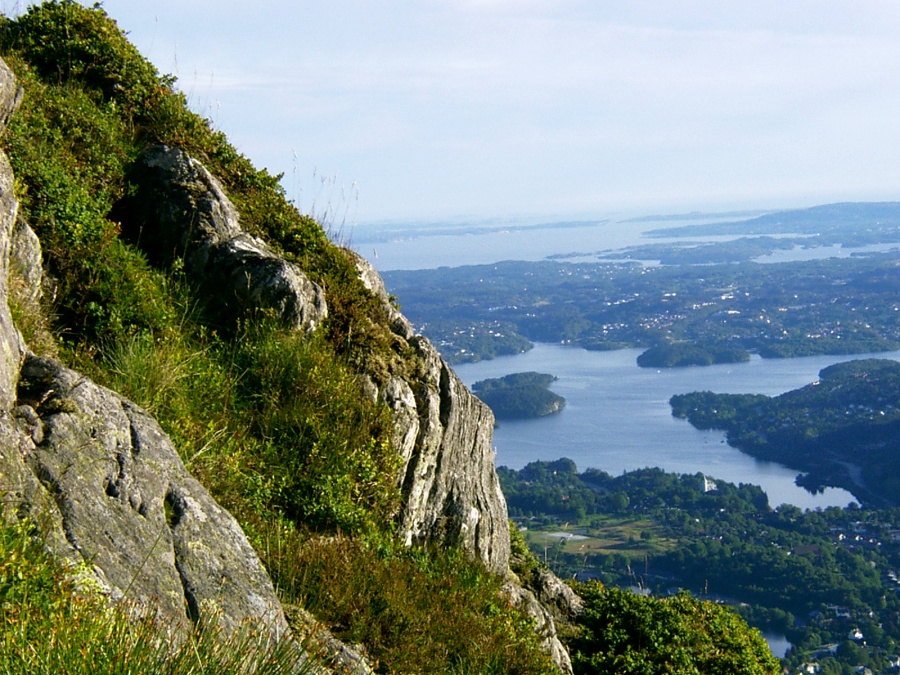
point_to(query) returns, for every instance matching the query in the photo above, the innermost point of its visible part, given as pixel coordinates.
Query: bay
(617, 416)
(484, 244)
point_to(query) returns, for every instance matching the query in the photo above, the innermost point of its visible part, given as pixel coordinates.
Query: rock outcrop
(450, 484)
(544, 624)
(444, 433)
(181, 212)
(12, 347)
(128, 507)
(451, 492)
(556, 596)
(102, 482)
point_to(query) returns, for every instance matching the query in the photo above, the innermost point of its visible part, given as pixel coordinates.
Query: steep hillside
(272, 359)
(214, 416)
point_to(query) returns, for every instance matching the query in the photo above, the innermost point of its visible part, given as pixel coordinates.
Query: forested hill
(843, 429)
(852, 221)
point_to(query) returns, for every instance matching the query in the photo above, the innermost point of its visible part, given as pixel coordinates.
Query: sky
(425, 110)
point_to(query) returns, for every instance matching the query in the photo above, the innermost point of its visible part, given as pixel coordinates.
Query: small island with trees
(681, 354)
(520, 395)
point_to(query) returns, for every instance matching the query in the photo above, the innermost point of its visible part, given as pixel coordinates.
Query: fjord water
(617, 416)
(518, 240)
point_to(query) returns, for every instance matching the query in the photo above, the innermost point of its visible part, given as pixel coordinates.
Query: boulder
(180, 212)
(130, 510)
(556, 596)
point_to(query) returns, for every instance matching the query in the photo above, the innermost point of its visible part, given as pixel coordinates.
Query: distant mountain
(845, 217)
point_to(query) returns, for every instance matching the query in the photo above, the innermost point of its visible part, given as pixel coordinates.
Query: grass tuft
(49, 625)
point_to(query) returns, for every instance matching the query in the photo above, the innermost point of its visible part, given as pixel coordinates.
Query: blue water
(474, 246)
(617, 416)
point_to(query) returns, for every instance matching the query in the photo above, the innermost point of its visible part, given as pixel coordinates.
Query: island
(681, 354)
(520, 395)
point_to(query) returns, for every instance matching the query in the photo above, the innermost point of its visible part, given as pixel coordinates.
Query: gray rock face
(11, 345)
(525, 600)
(450, 485)
(10, 95)
(128, 506)
(182, 212)
(110, 495)
(25, 261)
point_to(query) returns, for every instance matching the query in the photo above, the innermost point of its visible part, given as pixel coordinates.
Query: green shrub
(625, 633)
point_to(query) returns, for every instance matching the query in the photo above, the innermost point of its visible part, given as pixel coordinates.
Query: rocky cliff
(443, 433)
(451, 493)
(104, 483)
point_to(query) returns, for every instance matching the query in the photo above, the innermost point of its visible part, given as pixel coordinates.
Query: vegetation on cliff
(54, 621)
(275, 423)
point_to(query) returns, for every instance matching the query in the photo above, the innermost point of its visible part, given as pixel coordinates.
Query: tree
(624, 633)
